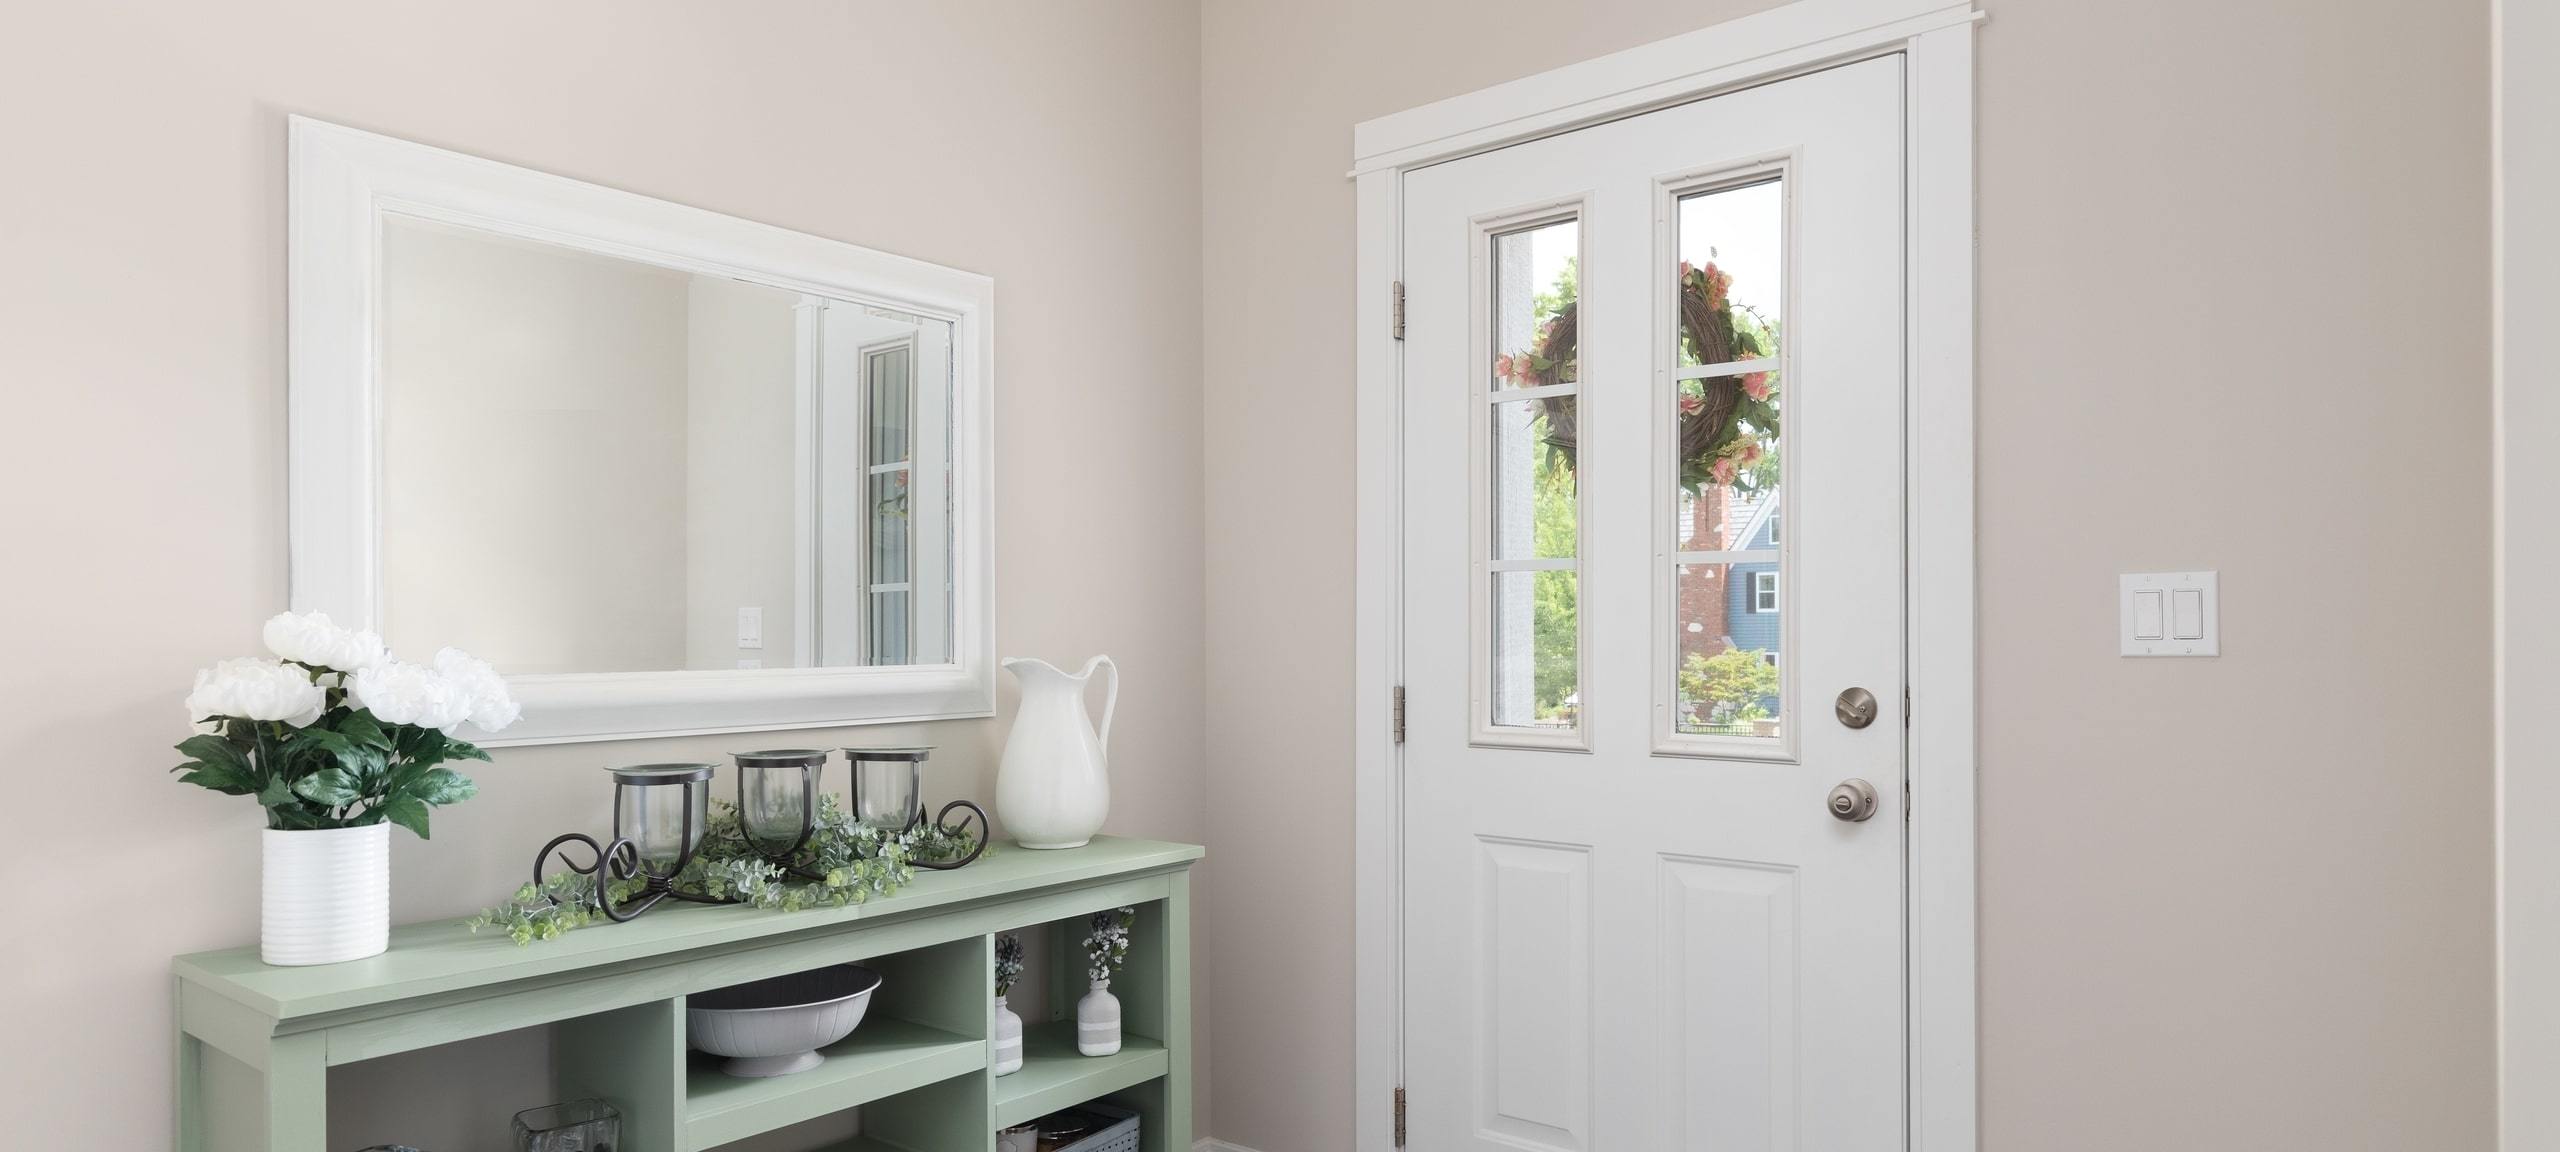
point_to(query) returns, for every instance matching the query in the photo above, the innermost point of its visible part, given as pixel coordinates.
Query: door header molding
(1747, 50)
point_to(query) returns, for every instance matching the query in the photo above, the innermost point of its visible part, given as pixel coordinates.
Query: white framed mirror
(671, 471)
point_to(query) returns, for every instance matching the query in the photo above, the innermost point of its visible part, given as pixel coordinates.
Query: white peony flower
(252, 689)
(402, 693)
(482, 693)
(312, 638)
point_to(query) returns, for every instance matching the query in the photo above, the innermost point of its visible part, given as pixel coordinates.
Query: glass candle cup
(778, 797)
(661, 809)
(888, 786)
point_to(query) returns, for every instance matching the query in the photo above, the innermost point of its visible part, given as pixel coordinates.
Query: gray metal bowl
(775, 1027)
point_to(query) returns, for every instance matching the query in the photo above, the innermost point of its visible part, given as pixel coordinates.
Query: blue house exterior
(1751, 602)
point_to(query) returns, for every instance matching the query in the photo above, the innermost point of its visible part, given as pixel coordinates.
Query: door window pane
(1535, 337)
(1730, 586)
(1537, 673)
(1533, 502)
(1535, 505)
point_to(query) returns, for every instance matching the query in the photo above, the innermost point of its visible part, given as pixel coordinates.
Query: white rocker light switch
(2169, 614)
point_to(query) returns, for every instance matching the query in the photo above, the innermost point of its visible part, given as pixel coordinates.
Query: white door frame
(1937, 42)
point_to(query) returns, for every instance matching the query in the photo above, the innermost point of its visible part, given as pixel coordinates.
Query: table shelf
(882, 1058)
(1054, 1075)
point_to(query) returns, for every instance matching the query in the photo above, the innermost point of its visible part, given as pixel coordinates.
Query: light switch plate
(2169, 614)
(751, 628)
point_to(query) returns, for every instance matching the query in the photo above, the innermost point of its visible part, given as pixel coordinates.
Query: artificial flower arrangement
(1008, 963)
(1106, 943)
(331, 732)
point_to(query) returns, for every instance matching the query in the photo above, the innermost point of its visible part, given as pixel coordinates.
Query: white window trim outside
(1936, 40)
(1764, 593)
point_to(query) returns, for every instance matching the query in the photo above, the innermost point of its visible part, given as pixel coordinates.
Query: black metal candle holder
(648, 854)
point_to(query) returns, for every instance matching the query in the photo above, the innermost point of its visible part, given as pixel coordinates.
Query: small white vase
(1004, 1049)
(1053, 786)
(324, 894)
(1098, 1021)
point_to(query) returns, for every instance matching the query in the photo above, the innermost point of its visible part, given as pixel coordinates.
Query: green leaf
(277, 793)
(214, 750)
(362, 728)
(442, 786)
(333, 787)
(220, 777)
(408, 812)
(464, 750)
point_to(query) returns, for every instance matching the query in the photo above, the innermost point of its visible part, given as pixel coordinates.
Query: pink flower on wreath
(1502, 367)
(1691, 405)
(1722, 469)
(1749, 454)
(1755, 385)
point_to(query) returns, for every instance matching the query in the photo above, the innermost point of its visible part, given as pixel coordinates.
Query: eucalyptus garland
(857, 861)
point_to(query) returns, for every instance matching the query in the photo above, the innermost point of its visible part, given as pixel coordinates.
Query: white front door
(1653, 506)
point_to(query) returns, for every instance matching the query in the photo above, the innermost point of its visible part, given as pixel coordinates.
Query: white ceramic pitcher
(1053, 787)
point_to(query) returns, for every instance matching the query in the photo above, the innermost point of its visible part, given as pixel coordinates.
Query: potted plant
(1106, 948)
(1006, 1058)
(338, 742)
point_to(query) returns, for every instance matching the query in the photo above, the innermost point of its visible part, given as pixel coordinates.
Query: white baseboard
(1206, 1144)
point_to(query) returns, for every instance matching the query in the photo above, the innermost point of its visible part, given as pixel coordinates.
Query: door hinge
(1399, 713)
(1395, 312)
(1399, 1117)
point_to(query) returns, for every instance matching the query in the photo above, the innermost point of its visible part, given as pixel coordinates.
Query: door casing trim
(1936, 40)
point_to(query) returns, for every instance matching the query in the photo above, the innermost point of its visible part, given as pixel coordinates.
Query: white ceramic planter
(324, 894)
(1004, 1048)
(1098, 1021)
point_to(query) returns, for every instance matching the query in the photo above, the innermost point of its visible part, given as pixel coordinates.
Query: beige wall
(142, 358)
(2234, 270)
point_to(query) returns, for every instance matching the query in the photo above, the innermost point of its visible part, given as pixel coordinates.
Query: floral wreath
(1725, 421)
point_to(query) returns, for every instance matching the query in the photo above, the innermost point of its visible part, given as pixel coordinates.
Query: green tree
(1728, 686)
(1553, 597)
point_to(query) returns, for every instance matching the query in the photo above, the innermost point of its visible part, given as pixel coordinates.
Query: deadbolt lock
(1853, 801)
(1856, 708)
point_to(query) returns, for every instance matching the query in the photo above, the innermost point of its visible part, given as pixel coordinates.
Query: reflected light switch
(750, 628)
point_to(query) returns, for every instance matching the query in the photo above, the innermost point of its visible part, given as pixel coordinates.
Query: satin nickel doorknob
(1853, 801)
(1856, 708)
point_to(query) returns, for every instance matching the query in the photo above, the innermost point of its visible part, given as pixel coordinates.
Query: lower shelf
(883, 1057)
(1054, 1075)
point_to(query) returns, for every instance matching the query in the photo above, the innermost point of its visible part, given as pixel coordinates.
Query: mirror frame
(343, 181)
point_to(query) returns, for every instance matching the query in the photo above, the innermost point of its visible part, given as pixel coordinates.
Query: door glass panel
(1535, 338)
(1537, 673)
(1729, 602)
(1533, 507)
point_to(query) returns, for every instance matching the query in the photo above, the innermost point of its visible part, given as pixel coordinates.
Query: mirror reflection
(594, 464)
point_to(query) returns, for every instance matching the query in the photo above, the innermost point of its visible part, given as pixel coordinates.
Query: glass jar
(576, 1126)
(888, 786)
(661, 809)
(778, 797)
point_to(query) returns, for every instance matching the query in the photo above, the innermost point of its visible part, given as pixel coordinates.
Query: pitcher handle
(1110, 699)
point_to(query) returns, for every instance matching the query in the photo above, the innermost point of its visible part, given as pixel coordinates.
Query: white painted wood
(343, 180)
(1937, 43)
(1376, 668)
(1533, 879)
(1745, 50)
(1938, 68)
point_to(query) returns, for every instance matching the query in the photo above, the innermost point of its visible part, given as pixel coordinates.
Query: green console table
(614, 995)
